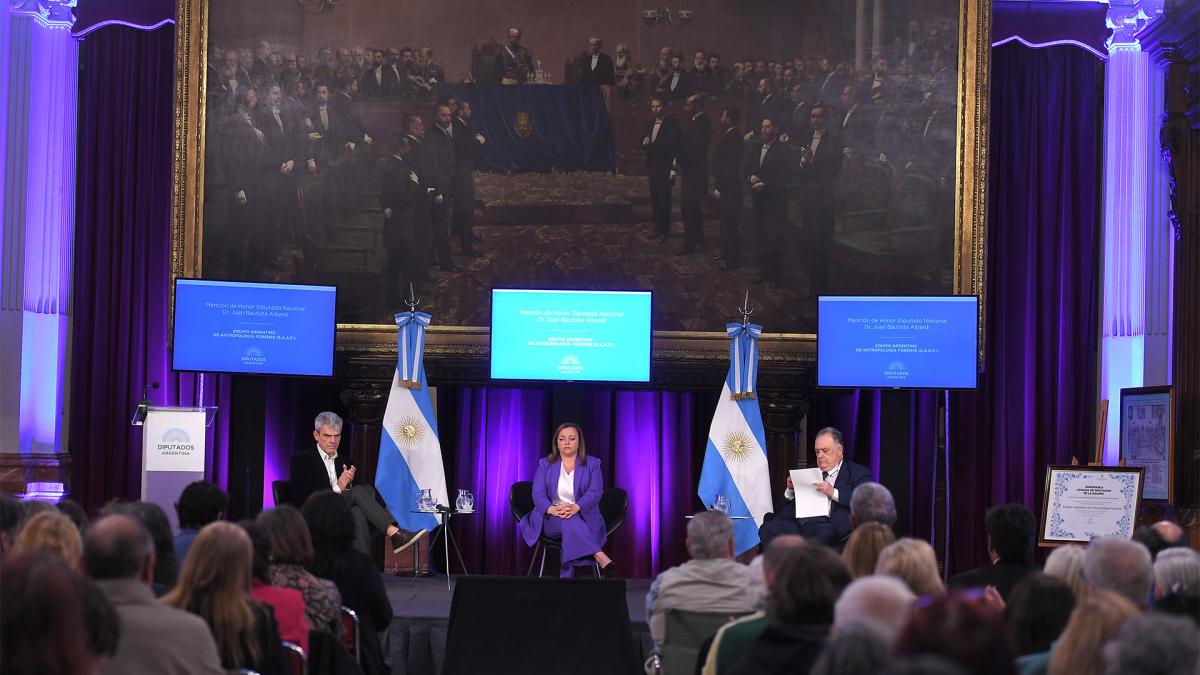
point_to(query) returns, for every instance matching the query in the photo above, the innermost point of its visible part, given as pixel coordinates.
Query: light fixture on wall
(653, 16)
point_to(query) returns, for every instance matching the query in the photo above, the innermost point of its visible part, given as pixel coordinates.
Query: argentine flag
(735, 463)
(410, 455)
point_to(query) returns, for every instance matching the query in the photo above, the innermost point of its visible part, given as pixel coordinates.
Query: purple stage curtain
(122, 265)
(649, 442)
(1035, 403)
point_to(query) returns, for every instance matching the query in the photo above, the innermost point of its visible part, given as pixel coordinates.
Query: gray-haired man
(321, 468)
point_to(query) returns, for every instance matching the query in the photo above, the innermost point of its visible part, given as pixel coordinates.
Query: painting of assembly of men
(444, 149)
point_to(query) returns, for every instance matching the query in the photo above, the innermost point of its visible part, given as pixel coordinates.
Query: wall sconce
(653, 16)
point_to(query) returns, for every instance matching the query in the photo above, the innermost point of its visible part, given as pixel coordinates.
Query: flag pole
(745, 310)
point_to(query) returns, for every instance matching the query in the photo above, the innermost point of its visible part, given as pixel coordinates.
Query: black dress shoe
(403, 539)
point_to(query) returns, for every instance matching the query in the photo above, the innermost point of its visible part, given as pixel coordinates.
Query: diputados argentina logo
(896, 370)
(175, 441)
(253, 355)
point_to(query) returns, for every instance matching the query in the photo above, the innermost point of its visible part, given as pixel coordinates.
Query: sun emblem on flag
(410, 431)
(737, 446)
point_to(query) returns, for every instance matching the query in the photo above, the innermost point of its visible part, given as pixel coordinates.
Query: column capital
(48, 13)
(1127, 18)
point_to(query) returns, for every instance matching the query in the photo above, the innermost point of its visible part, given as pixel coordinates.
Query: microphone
(139, 413)
(146, 393)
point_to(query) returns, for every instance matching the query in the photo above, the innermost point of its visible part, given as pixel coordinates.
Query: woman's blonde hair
(51, 532)
(215, 585)
(1066, 563)
(581, 455)
(913, 562)
(1094, 622)
(866, 543)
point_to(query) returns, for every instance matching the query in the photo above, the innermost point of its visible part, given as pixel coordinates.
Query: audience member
(734, 638)
(867, 541)
(32, 507)
(1159, 537)
(291, 555)
(913, 562)
(872, 503)
(199, 504)
(1010, 536)
(330, 524)
(1066, 563)
(154, 519)
(1153, 644)
(215, 585)
(924, 664)
(53, 533)
(1121, 566)
(1094, 622)
(1037, 611)
(287, 603)
(75, 512)
(10, 521)
(42, 618)
(799, 613)
(966, 629)
(101, 621)
(852, 649)
(155, 639)
(1177, 583)
(712, 581)
(880, 602)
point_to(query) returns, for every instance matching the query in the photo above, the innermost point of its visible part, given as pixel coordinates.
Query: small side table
(447, 536)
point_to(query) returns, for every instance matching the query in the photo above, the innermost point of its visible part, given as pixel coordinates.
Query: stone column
(877, 31)
(860, 35)
(38, 94)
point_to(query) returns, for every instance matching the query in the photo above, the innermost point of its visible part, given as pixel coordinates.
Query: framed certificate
(1082, 503)
(1148, 436)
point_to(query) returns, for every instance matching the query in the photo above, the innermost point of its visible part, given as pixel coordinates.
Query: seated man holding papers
(820, 497)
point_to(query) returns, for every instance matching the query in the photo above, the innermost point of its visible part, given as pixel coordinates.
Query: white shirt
(595, 58)
(812, 147)
(674, 81)
(831, 478)
(566, 484)
(331, 469)
(654, 131)
(763, 155)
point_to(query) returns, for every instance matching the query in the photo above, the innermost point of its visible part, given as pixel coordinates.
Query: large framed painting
(1148, 435)
(785, 148)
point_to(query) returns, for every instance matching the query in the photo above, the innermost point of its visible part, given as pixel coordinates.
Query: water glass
(425, 501)
(465, 502)
(722, 504)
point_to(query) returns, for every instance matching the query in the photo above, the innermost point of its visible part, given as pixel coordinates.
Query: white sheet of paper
(809, 502)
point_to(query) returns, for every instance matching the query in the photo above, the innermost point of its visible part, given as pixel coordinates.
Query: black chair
(281, 491)
(614, 507)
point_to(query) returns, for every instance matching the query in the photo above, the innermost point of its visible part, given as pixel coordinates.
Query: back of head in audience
(913, 562)
(872, 503)
(855, 649)
(1159, 537)
(866, 542)
(199, 504)
(331, 525)
(1121, 566)
(1037, 611)
(879, 602)
(290, 542)
(41, 617)
(10, 521)
(215, 584)
(805, 585)
(963, 628)
(51, 532)
(710, 535)
(1177, 570)
(924, 664)
(1153, 644)
(118, 547)
(1094, 622)
(154, 519)
(1011, 531)
(260, 542)
(1066, 563)
(75, 512)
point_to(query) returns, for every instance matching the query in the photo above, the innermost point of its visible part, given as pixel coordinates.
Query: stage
(415, 642)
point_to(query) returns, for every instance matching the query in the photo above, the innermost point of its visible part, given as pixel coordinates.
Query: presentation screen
(270, 329)
(571, 335)
(897, 342)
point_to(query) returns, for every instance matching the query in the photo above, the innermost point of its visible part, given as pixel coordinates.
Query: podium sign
(173, 454)
(173, 439)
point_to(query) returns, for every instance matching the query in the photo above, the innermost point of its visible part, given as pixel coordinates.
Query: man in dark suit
(467, 144)
(727, 183)
(661, 143)
(693, 172)
(595, 67)
(243, 154)
(769, 165)
(1010, 535)
(679, 83)
(283, 161)
(820, 163)
(400, 193)
(377, 81)
(439, 161)
(320, 468)
(841, 477)
(767, 104)
(414, 131)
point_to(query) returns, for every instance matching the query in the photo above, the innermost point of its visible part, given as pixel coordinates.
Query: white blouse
(566, 485)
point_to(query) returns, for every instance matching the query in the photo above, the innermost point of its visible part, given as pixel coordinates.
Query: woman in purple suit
(566, 502)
